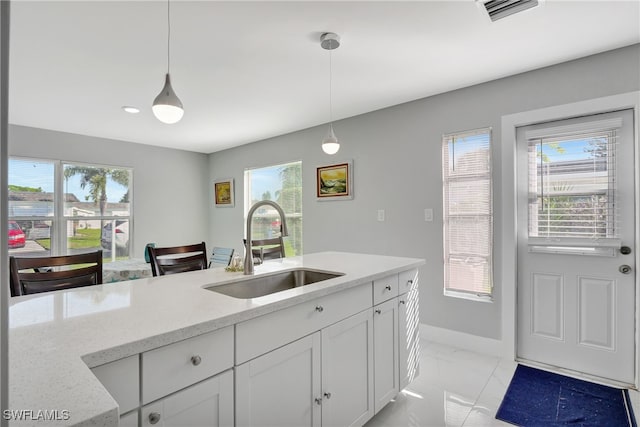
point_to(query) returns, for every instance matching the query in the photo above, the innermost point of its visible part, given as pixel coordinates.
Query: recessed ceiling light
(131, 110)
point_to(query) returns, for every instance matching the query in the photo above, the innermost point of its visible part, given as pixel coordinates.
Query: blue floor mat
(541, 398)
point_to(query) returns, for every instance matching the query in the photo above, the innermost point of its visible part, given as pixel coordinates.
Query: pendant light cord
(330, 97)
(168, 36)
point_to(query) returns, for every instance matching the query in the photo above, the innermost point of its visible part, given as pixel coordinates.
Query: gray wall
(397, 154)
(170, 187)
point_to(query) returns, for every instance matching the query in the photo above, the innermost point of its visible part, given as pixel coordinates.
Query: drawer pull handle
(378, 311)
(388, 287)
(318, 401)
(154, 417)
(327, 395)
(319, 308)
(196, 360)
(401, 301)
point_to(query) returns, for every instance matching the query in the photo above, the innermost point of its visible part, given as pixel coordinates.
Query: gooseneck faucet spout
(248, 258)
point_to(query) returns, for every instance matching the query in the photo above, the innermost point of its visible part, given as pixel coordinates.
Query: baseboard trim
(462, 340)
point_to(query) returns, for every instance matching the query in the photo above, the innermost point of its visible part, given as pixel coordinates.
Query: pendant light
(330, 144)
(167, 106)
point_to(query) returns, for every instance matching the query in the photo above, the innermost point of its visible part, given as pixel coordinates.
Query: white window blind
(572, 186)
(468, 213)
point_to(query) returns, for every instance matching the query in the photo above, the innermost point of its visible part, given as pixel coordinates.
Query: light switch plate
(428, 215)
(380, 214)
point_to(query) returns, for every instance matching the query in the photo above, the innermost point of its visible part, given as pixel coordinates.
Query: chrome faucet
(248, 259)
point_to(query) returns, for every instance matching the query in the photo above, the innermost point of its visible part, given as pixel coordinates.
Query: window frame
(247, 203)
(573, 130)
(60, 221)
(447, 180)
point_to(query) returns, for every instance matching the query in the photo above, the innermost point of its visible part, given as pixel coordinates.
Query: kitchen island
(56, 339)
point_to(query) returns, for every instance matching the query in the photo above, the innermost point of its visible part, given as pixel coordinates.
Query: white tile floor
(455, 388)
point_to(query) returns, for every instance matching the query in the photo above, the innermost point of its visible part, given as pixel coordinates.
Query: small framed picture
(335, 182)
(223, 193)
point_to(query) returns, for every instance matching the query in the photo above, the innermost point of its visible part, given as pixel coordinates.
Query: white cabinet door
(280, 388)
(208, 403)
(347, 371)
(121, 378)
(409, 335)
(385, 327)
(129, 420)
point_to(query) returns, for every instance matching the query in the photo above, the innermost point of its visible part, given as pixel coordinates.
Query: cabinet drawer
(408, 280)
(121, 379)
(385, 288)
(175, 366)
(265, 333)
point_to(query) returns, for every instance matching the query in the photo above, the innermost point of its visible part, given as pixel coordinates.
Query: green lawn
(84, 238)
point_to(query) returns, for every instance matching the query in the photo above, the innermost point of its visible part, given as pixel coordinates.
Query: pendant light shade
(330, 144)
(167, 106)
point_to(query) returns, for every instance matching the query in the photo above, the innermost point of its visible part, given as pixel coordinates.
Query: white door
(280, 388)
(347, 371)
(576, 282)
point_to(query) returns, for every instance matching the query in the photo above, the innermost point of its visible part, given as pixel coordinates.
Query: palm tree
(96, 179)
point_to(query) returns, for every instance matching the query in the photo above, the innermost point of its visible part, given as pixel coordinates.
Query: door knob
(625, 269)
(625, 250)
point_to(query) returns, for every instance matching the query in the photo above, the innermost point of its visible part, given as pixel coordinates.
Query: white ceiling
(246, 71)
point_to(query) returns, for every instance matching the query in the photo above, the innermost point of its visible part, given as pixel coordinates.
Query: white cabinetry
(121, 379)
(188, 382)
(335, 360)
(178, 365)
(207, 403)
(409, 327)
(280, 387)
(321, 379)
(385, 326)
(396, 334)
(347, 371)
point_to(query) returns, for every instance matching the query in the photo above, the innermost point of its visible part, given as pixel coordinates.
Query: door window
(573, 185)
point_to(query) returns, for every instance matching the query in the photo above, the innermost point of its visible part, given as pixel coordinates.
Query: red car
(16, 236)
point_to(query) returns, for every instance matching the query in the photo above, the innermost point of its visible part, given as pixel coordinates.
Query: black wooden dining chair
(265, 249)
(178, 259)
(32, 275)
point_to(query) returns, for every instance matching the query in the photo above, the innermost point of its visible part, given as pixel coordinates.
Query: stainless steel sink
(272, 283)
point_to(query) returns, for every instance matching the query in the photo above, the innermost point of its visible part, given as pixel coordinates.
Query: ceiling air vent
(498, 9)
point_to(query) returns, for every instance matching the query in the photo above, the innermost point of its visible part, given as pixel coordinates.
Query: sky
(34, 173)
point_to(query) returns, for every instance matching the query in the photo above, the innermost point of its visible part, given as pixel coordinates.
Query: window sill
(468, 296)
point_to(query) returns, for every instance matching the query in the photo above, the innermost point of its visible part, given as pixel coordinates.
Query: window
(468, 214)
(61, 208)
(572, 186)
(283, 185)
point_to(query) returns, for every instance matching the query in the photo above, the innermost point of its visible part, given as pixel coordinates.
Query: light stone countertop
(54, 338)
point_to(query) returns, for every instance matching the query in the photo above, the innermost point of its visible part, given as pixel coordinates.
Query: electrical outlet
(428, 215)
(380, 214)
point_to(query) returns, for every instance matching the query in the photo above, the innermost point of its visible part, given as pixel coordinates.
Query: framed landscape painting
(335, 182)
(223, 193)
